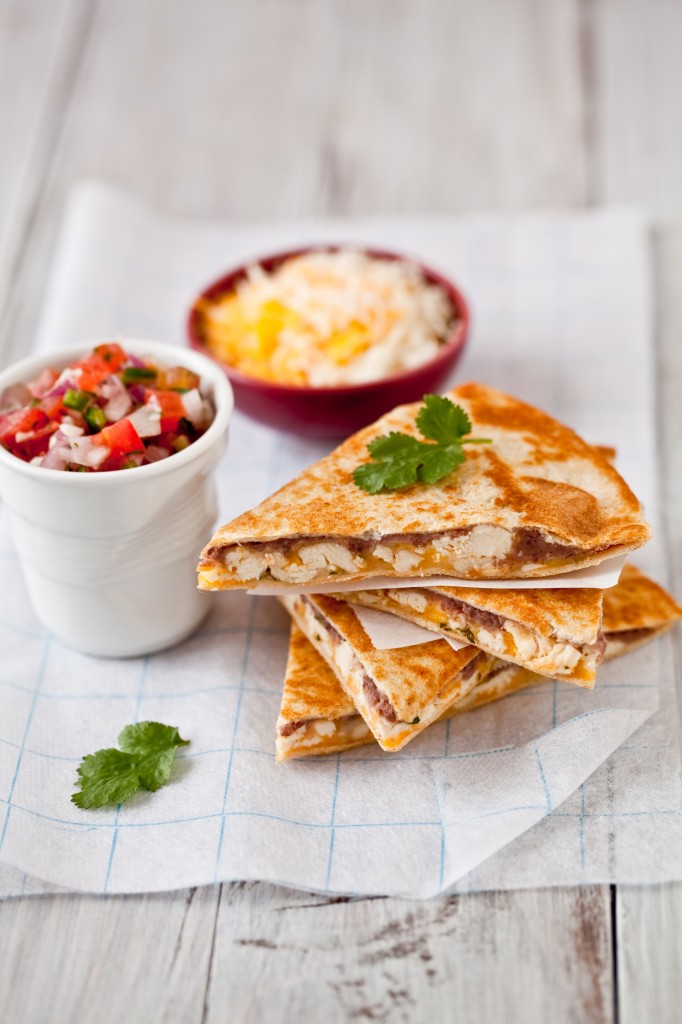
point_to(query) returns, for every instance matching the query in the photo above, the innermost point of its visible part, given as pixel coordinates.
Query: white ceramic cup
(110, 558)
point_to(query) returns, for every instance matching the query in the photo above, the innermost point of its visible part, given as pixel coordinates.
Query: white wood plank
(273, 109)
(638, 49)
(649, 920)
(638, 55)
(199, 107)
(94, 959)
(283, 109)
(523, 956)
(449, 106)
(649, 928)
(39, 42)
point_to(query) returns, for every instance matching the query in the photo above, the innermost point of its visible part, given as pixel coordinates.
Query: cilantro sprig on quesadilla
(400, 459)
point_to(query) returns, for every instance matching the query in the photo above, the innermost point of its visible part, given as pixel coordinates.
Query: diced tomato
(120, 438)
(43, 383)
(171, 405)
(37, 442)
(104, 360)
(112, 354)
(20, 421)
(54, 407)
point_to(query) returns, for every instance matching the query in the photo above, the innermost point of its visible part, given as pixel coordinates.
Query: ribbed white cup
(110, 558)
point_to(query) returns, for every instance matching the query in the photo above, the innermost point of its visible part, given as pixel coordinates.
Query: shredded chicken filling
(474, 550)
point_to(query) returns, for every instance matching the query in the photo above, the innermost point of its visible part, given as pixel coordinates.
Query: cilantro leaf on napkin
(145, 759)
(400, 459)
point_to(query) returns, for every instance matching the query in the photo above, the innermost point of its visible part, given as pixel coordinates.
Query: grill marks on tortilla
(638, 603)
(562, 508)
(411, 680)
(303, 702)
(537, 475)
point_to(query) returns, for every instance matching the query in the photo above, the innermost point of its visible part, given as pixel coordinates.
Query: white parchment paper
(554, 785)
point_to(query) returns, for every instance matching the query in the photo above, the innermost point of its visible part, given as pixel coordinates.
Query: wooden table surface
(261, 109)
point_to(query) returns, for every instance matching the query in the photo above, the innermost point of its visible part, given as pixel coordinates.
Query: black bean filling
(533, 546)
(378, 700)
(324, 622)
(286, 730)
(628, 635)
(528, 545)
(488, 620)
(472, 666)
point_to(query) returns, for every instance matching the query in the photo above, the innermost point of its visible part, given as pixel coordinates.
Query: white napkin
(598, 577)
(389, 633)
(561, 318)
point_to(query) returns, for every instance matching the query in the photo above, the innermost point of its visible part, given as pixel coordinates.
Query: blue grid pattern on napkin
(530, 280)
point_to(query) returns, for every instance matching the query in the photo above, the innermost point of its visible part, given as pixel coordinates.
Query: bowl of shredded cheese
(325, 339)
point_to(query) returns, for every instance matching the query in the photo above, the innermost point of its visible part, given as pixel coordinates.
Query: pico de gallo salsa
(109, 410)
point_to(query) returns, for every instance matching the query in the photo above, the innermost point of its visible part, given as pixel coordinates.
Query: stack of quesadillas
(534, 502)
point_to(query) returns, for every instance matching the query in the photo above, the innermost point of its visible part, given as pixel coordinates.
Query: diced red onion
(136, 361)
(196, 409)
(118, 401)
(136, 392)
(146, 420)
(69, 430)
(154, 453)
(42, 385)
(14, 397)
(84, 452)
(66, 380)
(55, 457)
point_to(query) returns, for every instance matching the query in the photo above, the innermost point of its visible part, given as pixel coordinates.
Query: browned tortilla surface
(537, 475)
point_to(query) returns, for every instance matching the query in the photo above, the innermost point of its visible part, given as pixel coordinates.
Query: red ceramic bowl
(334, 411)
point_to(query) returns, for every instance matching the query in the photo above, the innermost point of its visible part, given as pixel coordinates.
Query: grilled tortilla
(317, 717)
(397, 693)
(636, 611)
(536, 502)
(555, 633)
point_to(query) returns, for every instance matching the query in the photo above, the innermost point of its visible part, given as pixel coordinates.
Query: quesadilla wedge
(397, 693)
(534, 502)
(555, 633)
(636, 611)
(317, 716)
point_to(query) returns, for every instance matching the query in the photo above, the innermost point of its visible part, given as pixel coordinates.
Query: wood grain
(113, 959)
(280, 956)
(638, 159)
(638, 56)
(649, 928)
(39, 42)
(286, 108)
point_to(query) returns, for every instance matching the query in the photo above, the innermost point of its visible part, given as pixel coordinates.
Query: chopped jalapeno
(180, 442)
(95, 418)
(135, 374)
(76, 399)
